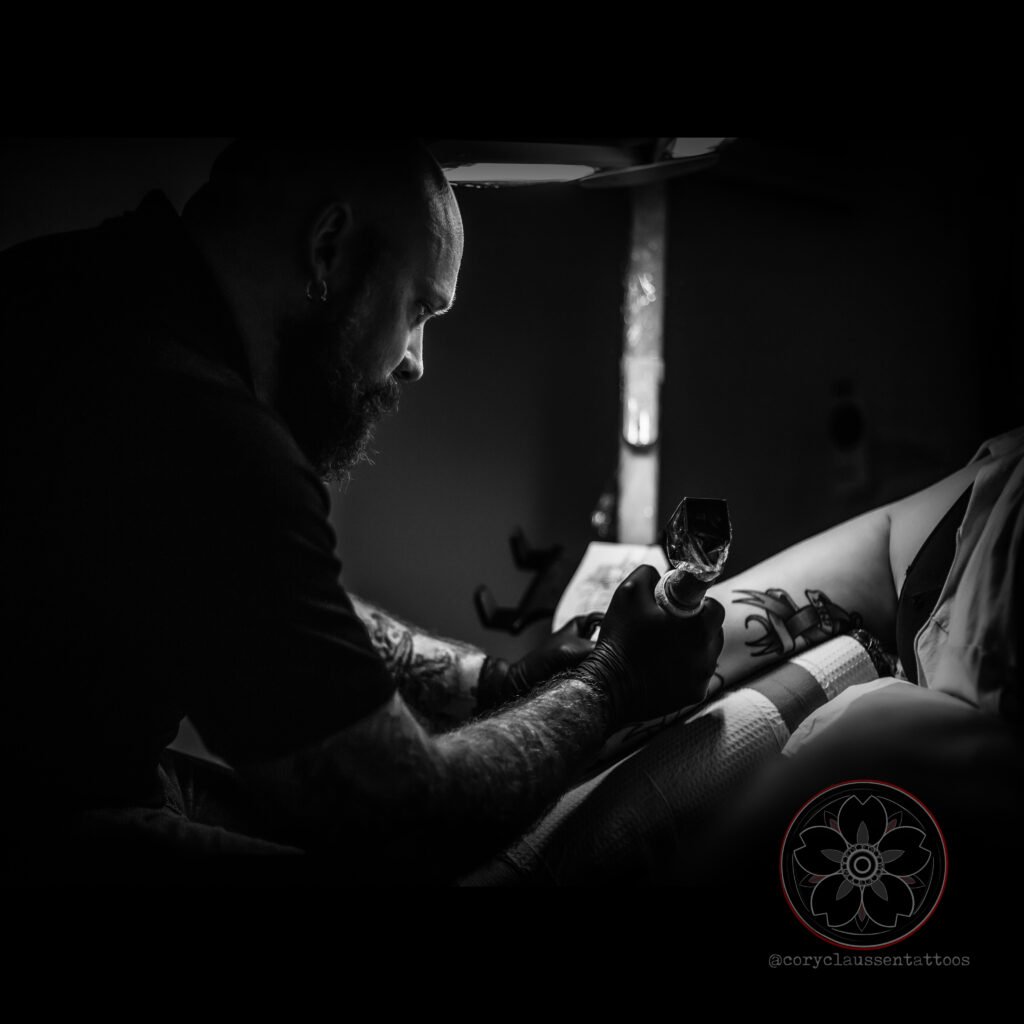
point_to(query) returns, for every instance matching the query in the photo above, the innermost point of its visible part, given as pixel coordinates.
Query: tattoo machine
(697, 539)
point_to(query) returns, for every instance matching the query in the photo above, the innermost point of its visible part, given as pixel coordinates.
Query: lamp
(601, 163)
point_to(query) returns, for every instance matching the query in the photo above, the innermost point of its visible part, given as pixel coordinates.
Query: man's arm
(836, 581)
(436, 677)
(387, 800)
(445, 682)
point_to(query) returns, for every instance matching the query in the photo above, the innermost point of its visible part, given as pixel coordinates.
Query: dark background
(802, 274)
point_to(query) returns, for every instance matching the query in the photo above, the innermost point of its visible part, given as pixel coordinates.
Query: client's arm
(823, 586)
(845, 577)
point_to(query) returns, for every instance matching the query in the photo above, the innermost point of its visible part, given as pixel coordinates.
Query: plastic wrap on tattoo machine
(697, 540)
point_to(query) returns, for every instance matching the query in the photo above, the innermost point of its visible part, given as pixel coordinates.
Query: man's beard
(329, 406)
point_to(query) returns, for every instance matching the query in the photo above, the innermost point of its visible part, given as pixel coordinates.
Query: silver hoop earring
(323, 291)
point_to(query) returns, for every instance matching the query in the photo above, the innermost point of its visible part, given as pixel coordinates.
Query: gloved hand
(501, 681)
(652, 663)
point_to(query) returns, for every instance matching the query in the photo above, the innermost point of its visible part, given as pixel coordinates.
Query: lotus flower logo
(863, 864)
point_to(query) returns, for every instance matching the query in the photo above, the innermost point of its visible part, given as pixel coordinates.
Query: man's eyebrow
(439, 303)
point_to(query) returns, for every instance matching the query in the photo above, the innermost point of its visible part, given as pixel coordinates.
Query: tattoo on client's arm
(783, 624)
(436, 676)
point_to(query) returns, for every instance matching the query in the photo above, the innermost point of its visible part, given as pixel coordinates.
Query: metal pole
(642, 366)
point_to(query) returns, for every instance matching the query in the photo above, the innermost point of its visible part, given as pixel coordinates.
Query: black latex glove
(653, 663)
(501, 681)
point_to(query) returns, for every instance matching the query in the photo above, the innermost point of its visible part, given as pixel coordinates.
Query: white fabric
(745, 713)
(836, 665)
(823, 718)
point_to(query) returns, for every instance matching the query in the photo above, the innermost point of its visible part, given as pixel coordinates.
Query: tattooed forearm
(389, 800)
(436, 676)
(783, 625)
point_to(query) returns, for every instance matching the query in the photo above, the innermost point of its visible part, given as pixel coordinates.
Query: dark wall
(801, 275)
(802, 271)
(801, 279)
(515, 422)
(49, 185)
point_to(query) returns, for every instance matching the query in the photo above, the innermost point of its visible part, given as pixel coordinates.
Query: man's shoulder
(35, 274)
(206, 413)
(53, 259)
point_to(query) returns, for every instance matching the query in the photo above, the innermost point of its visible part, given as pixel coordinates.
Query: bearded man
(178, 389)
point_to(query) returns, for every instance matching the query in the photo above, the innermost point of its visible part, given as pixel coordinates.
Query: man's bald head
(264, 185)
(333, 255)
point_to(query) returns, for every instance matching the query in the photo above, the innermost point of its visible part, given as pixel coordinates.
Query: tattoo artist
(193, 380)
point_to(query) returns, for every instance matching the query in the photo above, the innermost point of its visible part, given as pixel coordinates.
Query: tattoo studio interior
(774, 369)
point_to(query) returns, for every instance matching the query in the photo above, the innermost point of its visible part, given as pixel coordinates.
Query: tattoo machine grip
(697, 539)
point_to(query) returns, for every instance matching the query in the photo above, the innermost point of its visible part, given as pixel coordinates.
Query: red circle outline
(945, 868)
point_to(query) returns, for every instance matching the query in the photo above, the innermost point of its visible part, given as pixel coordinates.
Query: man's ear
(329, 240)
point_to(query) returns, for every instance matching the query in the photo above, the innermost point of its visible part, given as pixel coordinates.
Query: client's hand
(654, 663)
(501, 681)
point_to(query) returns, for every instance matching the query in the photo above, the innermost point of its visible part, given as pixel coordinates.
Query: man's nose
(411, 367)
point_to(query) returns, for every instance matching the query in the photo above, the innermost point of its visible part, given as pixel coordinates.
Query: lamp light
(594, 163)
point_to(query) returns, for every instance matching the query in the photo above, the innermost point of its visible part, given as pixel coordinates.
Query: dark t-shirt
(167, 550)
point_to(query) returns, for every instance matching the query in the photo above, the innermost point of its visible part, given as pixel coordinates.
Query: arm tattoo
(436, 676)
(388, 801)
(783, 624)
